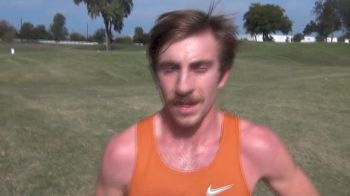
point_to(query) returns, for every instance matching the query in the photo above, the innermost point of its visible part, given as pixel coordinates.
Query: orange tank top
(223, 176)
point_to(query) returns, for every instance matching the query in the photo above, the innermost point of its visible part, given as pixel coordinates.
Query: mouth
(186, 108)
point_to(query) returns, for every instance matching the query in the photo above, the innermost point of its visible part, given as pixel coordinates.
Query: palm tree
(112, 11)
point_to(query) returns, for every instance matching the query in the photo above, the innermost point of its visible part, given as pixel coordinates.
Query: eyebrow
(194, 63)
(201, 62)
(168, 62)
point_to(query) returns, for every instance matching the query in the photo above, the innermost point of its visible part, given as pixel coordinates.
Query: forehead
(200, 46)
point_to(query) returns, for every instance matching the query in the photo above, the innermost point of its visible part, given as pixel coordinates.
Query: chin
(187, 121)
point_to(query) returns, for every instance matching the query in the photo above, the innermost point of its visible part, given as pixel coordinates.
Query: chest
(188, 158)
(183, 171)
(163, 168)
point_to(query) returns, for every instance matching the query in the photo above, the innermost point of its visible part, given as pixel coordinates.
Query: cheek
(165, 88)
(208, 91)
(210, 84)
(212, 91)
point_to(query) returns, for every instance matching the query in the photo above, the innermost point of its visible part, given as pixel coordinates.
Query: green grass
(59, 105)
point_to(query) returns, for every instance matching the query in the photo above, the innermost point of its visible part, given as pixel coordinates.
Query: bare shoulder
(258, 141)
(122, 145)
(264, 150)
(117, 163)
(266, 157)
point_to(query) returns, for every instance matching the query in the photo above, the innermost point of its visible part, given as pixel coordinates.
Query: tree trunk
(265, 37)
(107, 32)
(108, 41)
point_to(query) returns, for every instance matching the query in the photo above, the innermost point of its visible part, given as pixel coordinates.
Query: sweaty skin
(189, 124)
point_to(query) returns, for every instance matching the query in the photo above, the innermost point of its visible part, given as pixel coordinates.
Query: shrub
(298, 37)
(9, 36)
(123, 40)
(76, 37)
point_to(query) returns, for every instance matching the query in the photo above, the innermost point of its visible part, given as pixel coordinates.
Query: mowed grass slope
(59, 105)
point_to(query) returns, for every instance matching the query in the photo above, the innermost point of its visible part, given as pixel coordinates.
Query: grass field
(59, 105)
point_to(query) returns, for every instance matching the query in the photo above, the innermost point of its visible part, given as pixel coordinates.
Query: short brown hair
(176, 25)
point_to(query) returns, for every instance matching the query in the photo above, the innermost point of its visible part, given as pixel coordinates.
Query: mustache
(178, 100)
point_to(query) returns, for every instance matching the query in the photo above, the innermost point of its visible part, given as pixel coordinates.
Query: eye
(168, 67)
(200, 67)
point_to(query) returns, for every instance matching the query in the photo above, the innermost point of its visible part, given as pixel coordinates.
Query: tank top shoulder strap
(232, 147)
(144, 137)
(144, 128)
(230, 131)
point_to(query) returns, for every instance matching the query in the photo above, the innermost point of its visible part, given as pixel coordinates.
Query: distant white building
(286, 38)
(282, 38)
(66, 42)
(259, 38)
(245, 37)
(308, 39)
(252, 38)
(332, 40)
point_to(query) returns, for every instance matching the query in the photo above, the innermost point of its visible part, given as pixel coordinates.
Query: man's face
(188, 75)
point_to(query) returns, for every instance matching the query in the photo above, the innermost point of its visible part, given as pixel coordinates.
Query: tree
(7, 31)
(146, 38)
(40, 32)
(298, 37)
(138, 35)
(26, 31)
(76, 37)
(4, 25)
(327, 17)
(124, 40)
(343, 7)
(266, 19)
(286, 25)
(9, 36)
(112, 11)
(99, 35)
(57, 28)
(311, 27)
(29, 32)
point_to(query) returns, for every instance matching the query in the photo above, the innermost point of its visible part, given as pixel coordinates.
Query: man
(190, 147)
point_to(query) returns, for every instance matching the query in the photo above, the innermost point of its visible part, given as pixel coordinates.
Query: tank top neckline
(199, 170)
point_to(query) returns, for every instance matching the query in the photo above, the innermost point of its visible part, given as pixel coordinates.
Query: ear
(224, 78)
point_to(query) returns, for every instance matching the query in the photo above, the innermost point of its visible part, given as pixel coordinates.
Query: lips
(186, 108)
(185, 105)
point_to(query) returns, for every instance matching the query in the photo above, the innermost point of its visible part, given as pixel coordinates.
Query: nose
(184, 84)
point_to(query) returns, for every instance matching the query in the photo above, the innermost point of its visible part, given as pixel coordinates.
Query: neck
(206, 131)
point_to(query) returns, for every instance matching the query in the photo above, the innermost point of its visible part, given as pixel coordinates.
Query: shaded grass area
(59, 105)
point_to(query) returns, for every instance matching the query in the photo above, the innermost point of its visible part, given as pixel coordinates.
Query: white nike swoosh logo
(212, 192)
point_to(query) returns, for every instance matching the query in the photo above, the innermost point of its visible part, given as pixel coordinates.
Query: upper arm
(273, 163)
(285, 177)
(117, 164)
